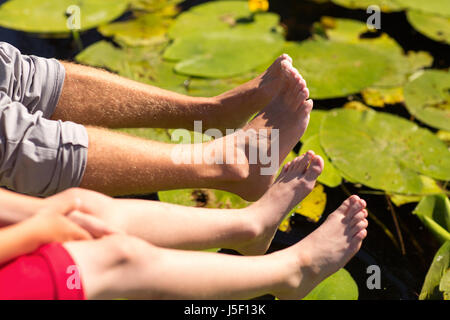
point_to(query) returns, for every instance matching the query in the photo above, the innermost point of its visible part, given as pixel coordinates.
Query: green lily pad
(217, 16)
(427, 97)
(444, 285)
(432, 26)
(434, 211)
(429, 187)
(444, 136)
(383, 151)
(146, 29)
(315, 120)
(399, 66)
(154, 5)
(385, 5)
(439, 267)
(438, 7)
(142, 64)
(222, 39)
(49, 16)
(223, 54)
(199, 87)
(338, 286)
(330, 176)
(156, 134)
(379, 96)
(336, 69)
(206, 198)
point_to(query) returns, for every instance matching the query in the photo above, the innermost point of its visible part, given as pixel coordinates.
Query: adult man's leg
(117, 164)
(95, 97)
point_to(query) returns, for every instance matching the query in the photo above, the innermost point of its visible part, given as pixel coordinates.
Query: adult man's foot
(238, 104)
(275, 131)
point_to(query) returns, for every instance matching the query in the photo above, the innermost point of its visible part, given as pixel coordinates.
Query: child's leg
(120, 266)
(249, 230)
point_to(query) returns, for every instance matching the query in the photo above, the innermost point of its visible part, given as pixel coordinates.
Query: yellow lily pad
(312, 207)
(379, 97)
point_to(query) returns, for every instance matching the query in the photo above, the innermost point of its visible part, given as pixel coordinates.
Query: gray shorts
(38, 156)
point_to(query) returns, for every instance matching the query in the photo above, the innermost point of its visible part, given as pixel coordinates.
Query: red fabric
(41, 275)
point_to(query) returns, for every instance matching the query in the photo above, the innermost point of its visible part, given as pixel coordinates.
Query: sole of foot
(273, 133)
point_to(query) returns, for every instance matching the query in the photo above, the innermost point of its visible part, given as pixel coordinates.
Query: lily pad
(146, 29)
(383, 151)
(142, 64)
(356, 105)
(438, 7)
(155, 5)
(312, 207)
(434, 211)
(444, 136)
(205, 198)
(379, 97)
(223, 54)
(444, 285)
(161, 135)
(49, 16)
(399, 66)
(222, 39)
(200, 87)
(258, 5)
(439, 267)
(427, 97)
(315, 120)
(429, 187)
(310, 141)
(338, 286)
(217, 16)
(385, 5)
(330, 176)
(433, 26)
(336, 69)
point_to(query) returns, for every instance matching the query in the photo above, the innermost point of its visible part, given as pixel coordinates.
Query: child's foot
(240, 103)
(288, 112)
(294, 183)
(327, 249)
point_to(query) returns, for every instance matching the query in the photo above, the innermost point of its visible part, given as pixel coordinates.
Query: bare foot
(294, 183)
(247, 99)
(278, 126)
(326, 250)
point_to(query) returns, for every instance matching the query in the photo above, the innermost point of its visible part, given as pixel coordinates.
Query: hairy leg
(121, 266)
(95, 97)
(119, 164)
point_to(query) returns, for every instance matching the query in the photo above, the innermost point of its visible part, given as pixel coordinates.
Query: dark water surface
(402, 275)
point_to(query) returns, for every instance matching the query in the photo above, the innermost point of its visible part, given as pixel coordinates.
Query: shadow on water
(402, 275)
